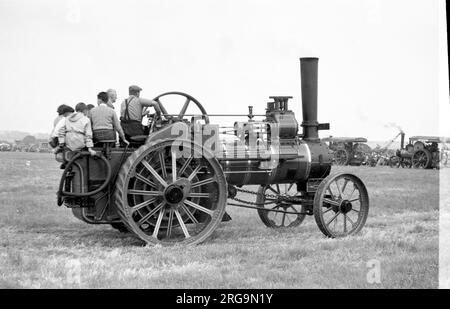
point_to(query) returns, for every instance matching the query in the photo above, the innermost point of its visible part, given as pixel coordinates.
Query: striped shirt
(135, 107)
(105, 118)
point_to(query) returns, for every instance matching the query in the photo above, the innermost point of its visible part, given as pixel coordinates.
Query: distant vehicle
(379, 157)
(425, 152)
(5, 147)
(19, 146)
(348, 150)
(44, 147)
(33, 148)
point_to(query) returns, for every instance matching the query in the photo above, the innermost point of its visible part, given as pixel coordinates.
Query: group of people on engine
(87, 126)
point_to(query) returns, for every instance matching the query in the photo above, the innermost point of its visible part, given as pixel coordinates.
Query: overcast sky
(382, 63)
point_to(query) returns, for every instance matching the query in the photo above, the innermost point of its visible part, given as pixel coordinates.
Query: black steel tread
(120, 185)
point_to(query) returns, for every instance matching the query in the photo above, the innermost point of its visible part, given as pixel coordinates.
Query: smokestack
(308, 72)
(402, 140)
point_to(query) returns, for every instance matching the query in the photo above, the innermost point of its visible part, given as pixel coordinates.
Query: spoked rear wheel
(422, 158)
(170, 194)
(341, 205)
(271, 198)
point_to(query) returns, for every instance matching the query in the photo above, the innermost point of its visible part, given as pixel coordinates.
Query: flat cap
(134, 88)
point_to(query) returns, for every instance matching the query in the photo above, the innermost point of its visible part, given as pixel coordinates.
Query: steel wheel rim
(158, 219)
(341, 157)
(420, 159)
(186, 104)
(337, 218)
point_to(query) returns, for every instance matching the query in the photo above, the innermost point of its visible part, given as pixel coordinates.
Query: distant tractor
(33, 148)
(422, 152)
(19, 146)
(4, 146)
(348, 150)
(44, 147)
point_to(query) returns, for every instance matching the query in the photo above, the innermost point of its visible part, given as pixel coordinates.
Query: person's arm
(58, 126)
(61, 133)
(88, 137)
(150, 103)
(118, 128)
(122, 109)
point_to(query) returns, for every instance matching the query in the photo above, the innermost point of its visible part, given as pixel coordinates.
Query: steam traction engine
(348, 150)
(172, 186)
(424, 152)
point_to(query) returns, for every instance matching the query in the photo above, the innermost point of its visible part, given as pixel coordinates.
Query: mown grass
(43, 246)
(444, 230)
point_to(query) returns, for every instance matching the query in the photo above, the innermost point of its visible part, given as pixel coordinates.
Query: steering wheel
(181, 114)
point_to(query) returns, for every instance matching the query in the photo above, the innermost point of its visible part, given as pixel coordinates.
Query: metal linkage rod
(268, 210)
(216, 115)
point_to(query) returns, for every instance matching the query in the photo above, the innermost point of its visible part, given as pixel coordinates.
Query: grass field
(43, 246)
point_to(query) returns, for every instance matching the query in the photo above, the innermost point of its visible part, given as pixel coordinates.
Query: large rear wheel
(422, 159)
(168, 194)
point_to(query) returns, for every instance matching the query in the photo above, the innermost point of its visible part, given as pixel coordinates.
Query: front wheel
(341, 205)
(341, 157)
(394, 161)
(406, 163)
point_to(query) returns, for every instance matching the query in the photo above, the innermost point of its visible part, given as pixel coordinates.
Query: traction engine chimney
(308, 72)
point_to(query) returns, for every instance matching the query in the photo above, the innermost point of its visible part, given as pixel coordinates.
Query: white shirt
(58, 126)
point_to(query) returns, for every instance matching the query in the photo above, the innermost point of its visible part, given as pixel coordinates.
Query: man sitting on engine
(76, 132)
(131, 112)
(105, 123)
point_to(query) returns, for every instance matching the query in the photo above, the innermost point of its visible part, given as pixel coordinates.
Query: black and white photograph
(224, 150)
